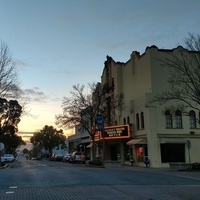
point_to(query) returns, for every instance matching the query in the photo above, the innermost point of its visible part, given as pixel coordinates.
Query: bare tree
(9, 85)
(184, 80)
(83, 106)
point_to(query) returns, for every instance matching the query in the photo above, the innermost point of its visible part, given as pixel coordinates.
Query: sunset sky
(59, 43)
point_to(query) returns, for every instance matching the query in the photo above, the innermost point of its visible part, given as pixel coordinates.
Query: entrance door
(113, 149)
(172, 152)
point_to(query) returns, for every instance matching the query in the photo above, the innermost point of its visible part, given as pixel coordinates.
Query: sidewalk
(194, 174)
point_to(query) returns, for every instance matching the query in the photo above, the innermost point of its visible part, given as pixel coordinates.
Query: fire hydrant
(146, 162)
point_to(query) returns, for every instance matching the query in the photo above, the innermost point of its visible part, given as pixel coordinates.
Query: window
(128, 120)
(192, 116)
(178, 117)
(137, 121)
(172, 152)
(199, 120)
(142, 120)
(124, 120)
(168, 119)
(141, 152)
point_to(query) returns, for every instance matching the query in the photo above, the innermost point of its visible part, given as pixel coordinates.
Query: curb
(3, 167)
(94, 166)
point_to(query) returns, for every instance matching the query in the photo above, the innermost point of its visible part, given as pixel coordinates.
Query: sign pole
(104, 144)
(100, 125)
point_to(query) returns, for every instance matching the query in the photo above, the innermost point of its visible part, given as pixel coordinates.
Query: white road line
(10, 192)
(13, 187)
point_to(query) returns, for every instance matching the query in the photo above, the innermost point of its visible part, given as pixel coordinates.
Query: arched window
(137, 121)
(128, 120)
(178, 117)
(142, 120)
(199, 120)
(124, 120)
(168, 119)
(192, 116)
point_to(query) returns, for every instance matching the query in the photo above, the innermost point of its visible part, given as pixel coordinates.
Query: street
(42, 180)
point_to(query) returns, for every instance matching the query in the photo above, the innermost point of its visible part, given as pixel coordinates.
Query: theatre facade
(142, 129)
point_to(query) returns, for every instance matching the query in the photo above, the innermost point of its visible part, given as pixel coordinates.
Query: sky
(59, 43)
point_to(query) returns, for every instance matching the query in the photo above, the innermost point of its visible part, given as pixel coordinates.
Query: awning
(173, 140)
(137, 141)
(89, 146)
(82, 145)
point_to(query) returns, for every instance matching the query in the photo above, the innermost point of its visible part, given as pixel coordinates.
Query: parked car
(78, 157)
(52, 157)
(7, 158)
(56, 157)
(2, 159)
(66, 157)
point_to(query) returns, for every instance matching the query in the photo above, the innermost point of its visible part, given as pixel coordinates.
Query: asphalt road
(50, 180)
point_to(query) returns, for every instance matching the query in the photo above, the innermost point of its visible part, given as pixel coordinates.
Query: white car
(2, 159)
(66, 157)
(78, 157)
(7, 158)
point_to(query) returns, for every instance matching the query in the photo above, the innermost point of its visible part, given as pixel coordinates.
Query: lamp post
(189, 147)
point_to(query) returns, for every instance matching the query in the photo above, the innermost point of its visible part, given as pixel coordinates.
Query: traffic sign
(99, 122)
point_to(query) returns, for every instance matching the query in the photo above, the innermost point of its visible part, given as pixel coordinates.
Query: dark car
(56, 157)
(77, 157)
(52, 157)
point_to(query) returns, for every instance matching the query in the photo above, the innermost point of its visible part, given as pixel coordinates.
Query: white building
(150, 133)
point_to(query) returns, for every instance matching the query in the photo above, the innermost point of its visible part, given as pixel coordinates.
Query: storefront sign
(96, 135)
(114, 132)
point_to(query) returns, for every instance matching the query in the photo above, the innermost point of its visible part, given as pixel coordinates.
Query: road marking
(42, 165)
(10, 192)
(13, 187)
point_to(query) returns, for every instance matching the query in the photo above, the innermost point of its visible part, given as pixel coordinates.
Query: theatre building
(141, 129)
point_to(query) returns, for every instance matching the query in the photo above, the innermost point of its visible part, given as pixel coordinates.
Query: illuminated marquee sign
(116, 132)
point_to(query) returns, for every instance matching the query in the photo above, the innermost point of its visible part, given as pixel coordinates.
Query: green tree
(35, 152)
(184, 80)
(10, 112)
(25, 151)
(12, 142)
(49, 138)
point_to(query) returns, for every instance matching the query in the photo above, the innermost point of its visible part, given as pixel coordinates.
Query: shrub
(96, 162)
(196, 165)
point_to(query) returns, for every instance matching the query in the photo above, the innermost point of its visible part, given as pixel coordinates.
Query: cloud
(20, 64)
(56, 99)
(35, 94)
(32, 95)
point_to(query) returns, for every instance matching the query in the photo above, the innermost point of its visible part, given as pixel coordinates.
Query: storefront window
(141, 152)
(172, 153)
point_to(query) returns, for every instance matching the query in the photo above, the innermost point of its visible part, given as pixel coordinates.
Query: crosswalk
(35, 165)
